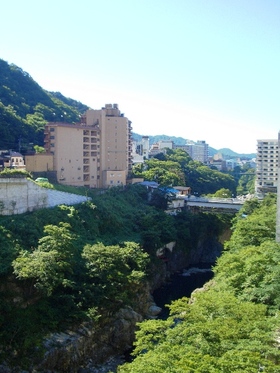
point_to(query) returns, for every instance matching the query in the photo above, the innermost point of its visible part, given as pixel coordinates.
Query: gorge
(72, 322)
(103, 349)
(65, 321)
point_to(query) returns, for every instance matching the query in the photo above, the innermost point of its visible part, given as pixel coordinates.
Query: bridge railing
(213, 199)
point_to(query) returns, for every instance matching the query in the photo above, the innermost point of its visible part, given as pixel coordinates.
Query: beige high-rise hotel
(95, 153)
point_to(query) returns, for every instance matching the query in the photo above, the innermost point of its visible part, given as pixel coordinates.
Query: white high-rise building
(199, 151)
(266, 166)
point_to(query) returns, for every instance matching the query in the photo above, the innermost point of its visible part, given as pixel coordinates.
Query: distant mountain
(25, 108)
(157, 138)
(227, 153)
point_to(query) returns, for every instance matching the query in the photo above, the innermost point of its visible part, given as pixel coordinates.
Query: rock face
(89, 345)
(206, 252)
(209, 249)
(71, 350)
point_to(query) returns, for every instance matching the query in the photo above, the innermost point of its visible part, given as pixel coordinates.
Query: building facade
(198, 151)
(95, 153)
(11, 159)
(140, 151)
(266, 166)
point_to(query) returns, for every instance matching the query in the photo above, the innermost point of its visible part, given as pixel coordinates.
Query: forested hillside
(25, 108)
(232, 325)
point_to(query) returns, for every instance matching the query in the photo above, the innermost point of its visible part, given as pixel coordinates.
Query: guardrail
(213, 199)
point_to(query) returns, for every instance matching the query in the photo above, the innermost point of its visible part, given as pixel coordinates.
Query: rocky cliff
(84, 347)
(92, 344)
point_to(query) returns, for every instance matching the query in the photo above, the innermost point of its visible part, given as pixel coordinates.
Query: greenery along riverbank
(67, 264)
(233, 324)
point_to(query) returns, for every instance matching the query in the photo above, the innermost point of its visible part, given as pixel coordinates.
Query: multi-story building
(199, 151)
(163, 144)
(145, 146)
(11, 159)
(96, 152)
(141, 150)
(160, 147)
(266, 166)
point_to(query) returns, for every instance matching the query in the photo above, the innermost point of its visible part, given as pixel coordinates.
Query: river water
(178, 285)
(181, 285)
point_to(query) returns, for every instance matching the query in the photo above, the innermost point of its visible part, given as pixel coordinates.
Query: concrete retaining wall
(19, 195)
(62, 198)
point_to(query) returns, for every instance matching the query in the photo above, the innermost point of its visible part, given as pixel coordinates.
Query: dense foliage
(70, 263)
(232, 325)
(176, 167)
(25, 108)
(245, 178)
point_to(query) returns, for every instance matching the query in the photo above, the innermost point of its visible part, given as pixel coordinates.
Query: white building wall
(266, 166)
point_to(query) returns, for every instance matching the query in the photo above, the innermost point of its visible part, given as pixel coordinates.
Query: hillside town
(99, 152)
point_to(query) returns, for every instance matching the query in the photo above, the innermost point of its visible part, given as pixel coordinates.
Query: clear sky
(200, 69)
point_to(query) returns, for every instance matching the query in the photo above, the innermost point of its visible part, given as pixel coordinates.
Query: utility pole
(19, 144)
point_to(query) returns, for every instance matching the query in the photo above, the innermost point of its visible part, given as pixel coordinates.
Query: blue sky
(200, 69)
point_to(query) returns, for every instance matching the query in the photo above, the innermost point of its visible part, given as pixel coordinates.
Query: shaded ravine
(181, 284)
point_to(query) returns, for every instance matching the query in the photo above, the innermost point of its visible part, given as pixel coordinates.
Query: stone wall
(19, 195)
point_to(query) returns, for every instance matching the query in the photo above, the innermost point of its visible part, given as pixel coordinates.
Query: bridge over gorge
(226, 205)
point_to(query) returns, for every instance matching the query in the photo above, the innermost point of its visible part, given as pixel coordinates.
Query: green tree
(252, 273)
(116, 270)
(49, 265)
(222, 193)
(163, 172)
(215, 332)
(8, 251)
(254, 224)
(39, 149)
